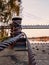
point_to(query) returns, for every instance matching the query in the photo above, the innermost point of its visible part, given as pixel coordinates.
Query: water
(36, 32)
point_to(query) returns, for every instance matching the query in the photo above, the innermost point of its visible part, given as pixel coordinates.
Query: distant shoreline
(44, 38)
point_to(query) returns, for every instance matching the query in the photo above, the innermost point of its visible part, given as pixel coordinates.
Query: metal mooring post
(15, 28)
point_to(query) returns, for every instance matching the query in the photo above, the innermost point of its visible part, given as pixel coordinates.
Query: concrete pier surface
(15, 57)
(12, 57)
(41, 51)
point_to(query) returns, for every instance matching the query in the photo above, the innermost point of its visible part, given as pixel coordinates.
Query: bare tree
(7, 8)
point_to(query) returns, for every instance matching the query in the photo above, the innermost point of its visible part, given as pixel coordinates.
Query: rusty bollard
(15, 28)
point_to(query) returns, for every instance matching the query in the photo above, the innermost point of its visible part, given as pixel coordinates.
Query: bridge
(28, 27)
(35, 26)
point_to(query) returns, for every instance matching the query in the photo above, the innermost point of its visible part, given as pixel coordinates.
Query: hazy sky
(35, 11)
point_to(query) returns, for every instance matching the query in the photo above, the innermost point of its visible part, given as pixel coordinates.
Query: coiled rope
(6, 43)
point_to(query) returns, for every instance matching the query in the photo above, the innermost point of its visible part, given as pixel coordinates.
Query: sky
(35, 12)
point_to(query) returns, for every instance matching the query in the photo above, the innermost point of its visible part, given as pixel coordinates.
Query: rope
(30, 52)
(6, 43)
